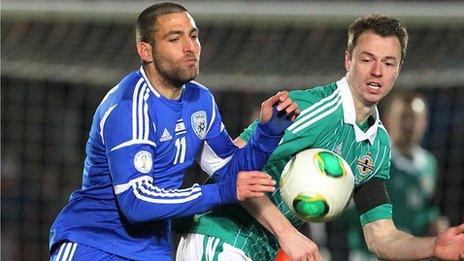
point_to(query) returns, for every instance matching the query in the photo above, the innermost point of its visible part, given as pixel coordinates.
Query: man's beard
(173, 74)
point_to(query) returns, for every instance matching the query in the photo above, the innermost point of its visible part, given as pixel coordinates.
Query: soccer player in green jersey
(341, 116)
(413, 172)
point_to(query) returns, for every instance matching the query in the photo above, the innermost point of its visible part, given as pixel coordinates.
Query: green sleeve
(304, 99)
(380, 212)
(384, 170)
(246, 134)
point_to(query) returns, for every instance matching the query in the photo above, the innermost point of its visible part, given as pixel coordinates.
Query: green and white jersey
(410, 189)
(328, 120)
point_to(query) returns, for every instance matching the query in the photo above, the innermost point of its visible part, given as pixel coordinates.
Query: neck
(362, 111)
(164, 87)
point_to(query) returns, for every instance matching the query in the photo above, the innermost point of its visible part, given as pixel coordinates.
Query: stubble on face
(172, 73)
(176, 50)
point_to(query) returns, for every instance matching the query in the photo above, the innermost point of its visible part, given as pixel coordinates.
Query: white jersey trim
(314, 112)
(349, 114)
(144, 189)
(103, 120)
(209, 161)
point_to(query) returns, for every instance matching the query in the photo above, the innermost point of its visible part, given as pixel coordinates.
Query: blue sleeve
(130, 158)
(220, 158)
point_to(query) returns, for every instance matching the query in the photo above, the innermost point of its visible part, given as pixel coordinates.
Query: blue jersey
(139, 146)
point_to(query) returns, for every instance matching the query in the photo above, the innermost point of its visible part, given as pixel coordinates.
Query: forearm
(141, 201)
(387, 242)
(268, 215)
(294, 244)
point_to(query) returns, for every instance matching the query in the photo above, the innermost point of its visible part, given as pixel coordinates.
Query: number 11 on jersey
(181, 148)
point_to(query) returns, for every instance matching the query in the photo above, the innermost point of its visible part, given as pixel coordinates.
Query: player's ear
(144, 50)
(347, 61)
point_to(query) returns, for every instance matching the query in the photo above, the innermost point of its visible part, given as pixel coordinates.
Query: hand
(449, 245)
(253, 184)
(298, 247)
(284, 104)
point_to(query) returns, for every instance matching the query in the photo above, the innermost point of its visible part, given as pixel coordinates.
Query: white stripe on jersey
(72, 251)
(63, 245)
(144, 189)
(315, 109)
(103, 120)
(141, 117)
(134, 109)
(209, 161)
(213, 114)
(145, 114)
(320, 116)
(66, 251)
(109, 93)
(132, 142)
(142, 71)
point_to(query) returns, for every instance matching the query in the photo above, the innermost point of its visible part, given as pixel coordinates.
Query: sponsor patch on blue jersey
(198, 121)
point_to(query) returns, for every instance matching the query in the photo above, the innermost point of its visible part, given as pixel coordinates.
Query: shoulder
(125, 89)
(196, 92)
(382, 135)
(124, 94)
(320, 109)
(195, 88)
(318, 94)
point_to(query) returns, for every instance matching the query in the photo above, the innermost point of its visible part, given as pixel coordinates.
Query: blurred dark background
(59, 58)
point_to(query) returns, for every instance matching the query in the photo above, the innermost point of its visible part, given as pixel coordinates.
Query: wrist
(278, 123)
(265, 141)
(228, 190)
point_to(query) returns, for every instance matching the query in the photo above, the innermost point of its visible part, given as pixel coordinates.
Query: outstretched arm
(387, 242)
(295, 245)
(219, 157)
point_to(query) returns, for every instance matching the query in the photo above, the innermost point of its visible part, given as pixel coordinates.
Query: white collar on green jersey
(349, 114)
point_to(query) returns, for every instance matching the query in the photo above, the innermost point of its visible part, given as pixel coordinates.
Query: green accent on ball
(310, 207)
(330, 164)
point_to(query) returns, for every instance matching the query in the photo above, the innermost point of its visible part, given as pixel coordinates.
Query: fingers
(252, 184)
(282, 103)
(285, 103)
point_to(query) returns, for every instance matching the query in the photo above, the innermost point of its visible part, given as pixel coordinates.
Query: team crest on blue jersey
(198, 121)
(143, 161)
(365, 164)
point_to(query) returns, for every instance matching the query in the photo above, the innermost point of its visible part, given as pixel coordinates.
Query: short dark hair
(381, 25)
(146, 22)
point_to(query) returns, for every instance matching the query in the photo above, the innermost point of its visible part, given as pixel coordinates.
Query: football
(316, 185)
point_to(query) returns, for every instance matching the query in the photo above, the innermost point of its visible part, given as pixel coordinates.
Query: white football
(317, 185)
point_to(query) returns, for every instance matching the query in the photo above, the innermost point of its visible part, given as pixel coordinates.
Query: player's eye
(194, 36)
(390, 64)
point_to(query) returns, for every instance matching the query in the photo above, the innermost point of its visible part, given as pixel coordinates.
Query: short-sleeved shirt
(410, 190)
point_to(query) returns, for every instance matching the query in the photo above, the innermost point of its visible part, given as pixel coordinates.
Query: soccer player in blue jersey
(145, 133)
